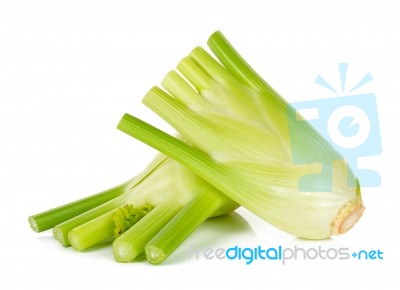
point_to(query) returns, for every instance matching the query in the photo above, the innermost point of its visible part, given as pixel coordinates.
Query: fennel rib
(61, 231)
(92, 232)
(235, 63)
(113, 223)
(50, 218)
(198, 161)
(132, 243)
(192, 215)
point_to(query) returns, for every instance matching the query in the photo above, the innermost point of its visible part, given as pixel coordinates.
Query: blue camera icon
(350, 124)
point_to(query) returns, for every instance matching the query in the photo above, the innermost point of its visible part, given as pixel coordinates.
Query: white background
(70, 69)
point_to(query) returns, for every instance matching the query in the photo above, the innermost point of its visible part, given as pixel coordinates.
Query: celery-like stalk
(182, 225)
(112, 223)
(50, 218)
(92, 232)
(61, 231)
(132, 243)
(142, 207)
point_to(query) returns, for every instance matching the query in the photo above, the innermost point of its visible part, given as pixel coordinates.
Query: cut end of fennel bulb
(348, 216)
